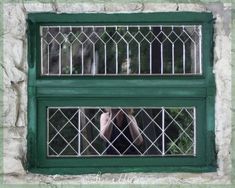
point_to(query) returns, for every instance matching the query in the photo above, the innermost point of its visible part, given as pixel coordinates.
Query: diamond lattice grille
(161, 131)
(121, 50)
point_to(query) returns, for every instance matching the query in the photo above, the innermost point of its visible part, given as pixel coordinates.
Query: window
(120, 92)
(76, 132)
(121, 50)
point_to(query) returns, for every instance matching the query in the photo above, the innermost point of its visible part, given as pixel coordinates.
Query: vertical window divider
(71, 53)
(194, 132)
(48, 124)
(105, 54)
(173, 58)
(150, 53)
(195, 58)
(42, 71)
(139, 59)
(116, 46)
(79, 132)
(127, 54)
(82, 54)
(161, 54)
(163, 131)
(60, 56)
(200, 49)
(173, 52)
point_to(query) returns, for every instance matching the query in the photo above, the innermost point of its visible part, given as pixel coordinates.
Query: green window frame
(147, 91)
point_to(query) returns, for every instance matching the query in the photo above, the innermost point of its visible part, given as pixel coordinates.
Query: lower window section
(121, 131)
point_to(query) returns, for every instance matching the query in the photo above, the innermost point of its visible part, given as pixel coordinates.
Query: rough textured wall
(15, 93)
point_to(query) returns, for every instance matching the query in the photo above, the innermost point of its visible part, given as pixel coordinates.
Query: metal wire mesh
(121, 50)
(165, 131)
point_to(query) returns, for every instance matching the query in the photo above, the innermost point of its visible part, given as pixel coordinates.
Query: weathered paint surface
(15, 93)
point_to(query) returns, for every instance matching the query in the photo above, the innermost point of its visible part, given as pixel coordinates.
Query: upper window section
(121, 50)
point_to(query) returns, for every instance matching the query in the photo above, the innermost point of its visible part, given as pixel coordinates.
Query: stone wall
(15, 93)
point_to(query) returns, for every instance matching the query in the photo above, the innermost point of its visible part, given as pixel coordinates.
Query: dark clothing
(121, 142)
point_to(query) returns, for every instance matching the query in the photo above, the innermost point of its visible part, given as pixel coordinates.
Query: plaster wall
(14, 68)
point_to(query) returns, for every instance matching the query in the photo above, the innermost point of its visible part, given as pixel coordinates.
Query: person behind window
(120, 128)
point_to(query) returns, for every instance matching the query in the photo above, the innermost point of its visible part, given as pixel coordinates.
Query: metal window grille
(121, 50)
(166, 131)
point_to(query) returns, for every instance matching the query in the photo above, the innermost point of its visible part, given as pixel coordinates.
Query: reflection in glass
(120, 50)
(120, 131)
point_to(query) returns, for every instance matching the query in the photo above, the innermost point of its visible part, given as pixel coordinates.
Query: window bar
(105, 54)
(200, 49)
(60, 60)
(127, 59)
(184, 58)
(173, 58)
(116, 47)
(150, 54)
(161, 54)
(105, 59)
(42, 51)
(79, 131)
(139, 64)
(48, 60)
(94, 55)
(131, 143)
(116, 57)
(163, 131)
(60, 55)
(127, 55)
(152, 144)
(56, 154)
(195, 57)
(82, 60)
(128, 139)
(110, 144)
(194, 132)
(82, 53)
(183, 54)
(163, 128)
(120, 133)
(161, 58)
(152, 120)
(195, 64)
(67, 144)
(71, 55)
(94, 59)
(48, 132)
(90, 145)
(139, 57)
(150, 58)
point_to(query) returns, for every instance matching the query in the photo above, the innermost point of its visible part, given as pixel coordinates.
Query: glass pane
(104, 131)
(121, 50)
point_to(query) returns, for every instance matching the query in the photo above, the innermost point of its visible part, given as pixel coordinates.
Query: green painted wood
(97, 82)
(210, 144)
(75, 171)
(129, 162)
(122, 92)
(32, 104)
(120, 18)
(123, 102)
(113, 91)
